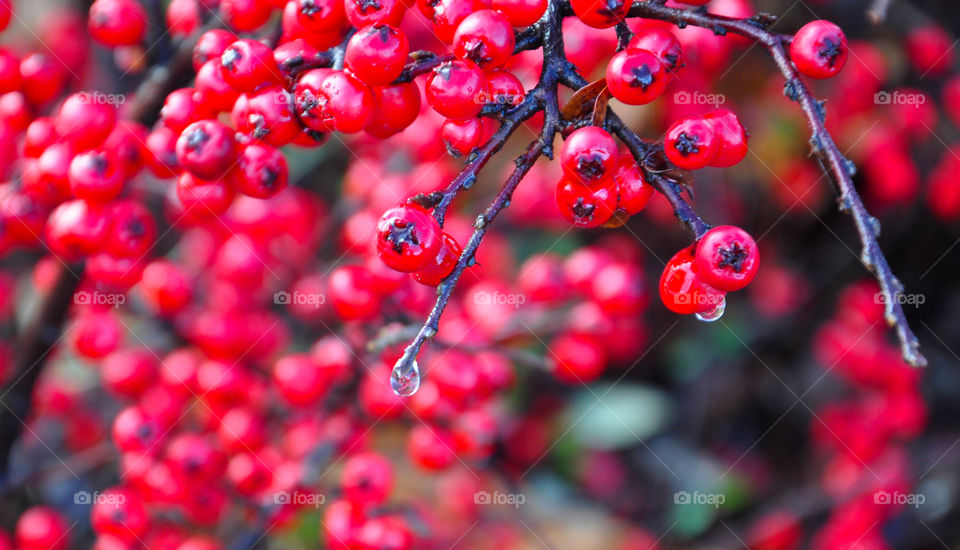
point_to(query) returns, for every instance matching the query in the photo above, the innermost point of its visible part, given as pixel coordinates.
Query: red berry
(633, 190)
(456, 89)
(731, 135)
(930, 49)
(636, 77)
(727, 258)
(661, 43)
(586, 206)
(578, 358)
(47, 180)
(521, 13)
(446, 15)
(121, 513)
(96, 175)
(589, 156)
(211, 45)
(376, 54)
(133, 229)
(183, 17)
(84, 121)
(10, 79)
(300, 381)
(505, 88)
(462, 136)
(395, 107)
(321, 16)
(40, 134)
(384, 533)
(600, 14)
(442, 265)
(248, 64)
(77, 228)
(367, 479)
(15, 112)
(161, 146)
(408, 238)
(117, 22)
(383, 12)
(184, 106)
(262, 171)
(207, 149)
(267, 115)
(484, 37)
(819, 49)
(691, 143)
(41, 528)
(204, 198)
(353, 296)
(166, 288)
(682, 290)
(215, 92)
(43, 78)
(431, 447)
(329, 100)
(245, 15)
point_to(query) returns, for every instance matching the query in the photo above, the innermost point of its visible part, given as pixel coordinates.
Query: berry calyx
(727, 258)
(408, 238)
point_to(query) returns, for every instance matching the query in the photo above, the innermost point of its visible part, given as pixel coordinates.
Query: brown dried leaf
(583, 101)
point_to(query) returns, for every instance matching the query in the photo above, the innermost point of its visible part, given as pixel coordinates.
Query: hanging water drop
(405, 377)
(715, 313)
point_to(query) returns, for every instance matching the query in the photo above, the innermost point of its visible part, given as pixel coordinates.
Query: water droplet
(405, 378)
(715, 313)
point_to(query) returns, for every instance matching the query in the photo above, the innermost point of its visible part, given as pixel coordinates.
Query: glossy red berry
(819, 49)
(408, 238)
(731, 135)
(321, 16)
(442, 266)
(505, 88)
(727, 258)
(41, 528)
(485, 37)
(39, 135)
(85, 121)
(329, 100)
(661, 43)
(395, 108)
(10, 79)
(636, 77)
(245, 15)
(184, 106)
(300, 381)
(43, 77)
(96, 175)
(521, 13)
(691, 143)
(166, 289)
(589, 156)
(161, 146)
(431, 447)
(633, 190)
(262, 171)
(600, 14)
(462, 136)
(183, 17)
(681, 288)
(586, 206)
(367, 479)
(249, 64)
(457, 89)
(121, 513)
(353, 296)
(376, 12)
(376, 54)
(133, 229)
(211, 45)
(446, 15)
(267, 115)
(117, 22)
(207, 149)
